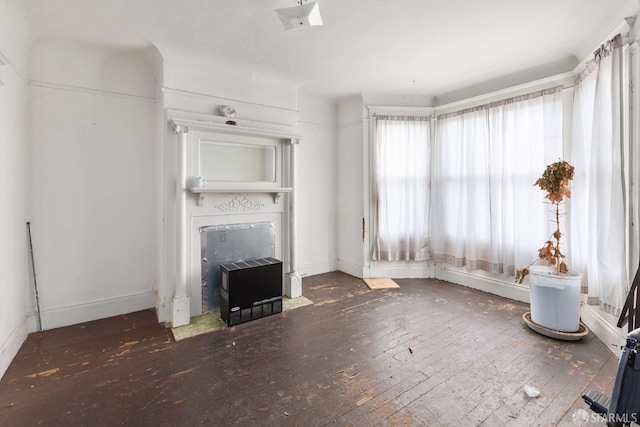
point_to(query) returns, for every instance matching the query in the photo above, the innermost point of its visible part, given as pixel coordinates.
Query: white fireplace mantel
(184, 123)
(276, 193)
(219, 124)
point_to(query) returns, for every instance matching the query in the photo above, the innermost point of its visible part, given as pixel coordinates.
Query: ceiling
(446, 49)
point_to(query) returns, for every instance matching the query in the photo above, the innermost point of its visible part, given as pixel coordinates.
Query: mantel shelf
(276, 193)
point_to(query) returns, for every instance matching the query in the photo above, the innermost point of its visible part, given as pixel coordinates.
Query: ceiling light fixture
(302, 15)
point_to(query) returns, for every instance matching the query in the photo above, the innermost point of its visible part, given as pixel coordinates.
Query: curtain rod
(502, 102)
(602, 51)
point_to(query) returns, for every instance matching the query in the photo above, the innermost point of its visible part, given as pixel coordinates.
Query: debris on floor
(530, 390)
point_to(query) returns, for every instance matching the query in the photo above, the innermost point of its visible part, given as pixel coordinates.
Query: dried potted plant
(555, 290)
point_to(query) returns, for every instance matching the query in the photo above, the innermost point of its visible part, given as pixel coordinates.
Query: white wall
(317, 185)
(15, 284)
(92, 193)
(254, 95)
(350, 185)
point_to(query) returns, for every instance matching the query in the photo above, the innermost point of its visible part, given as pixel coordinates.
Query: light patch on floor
(212, 322)
(291, 303)
(199, 325)
(384, 283)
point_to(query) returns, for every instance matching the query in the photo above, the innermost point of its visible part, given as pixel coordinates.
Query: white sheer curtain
(597, 203)
(486, 213)
(401, 152)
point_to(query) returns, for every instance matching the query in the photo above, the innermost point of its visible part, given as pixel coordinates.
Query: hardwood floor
(427, 353)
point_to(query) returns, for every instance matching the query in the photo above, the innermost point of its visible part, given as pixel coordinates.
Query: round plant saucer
(552, 333)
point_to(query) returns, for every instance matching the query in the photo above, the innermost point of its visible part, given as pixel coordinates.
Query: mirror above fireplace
(223, 162)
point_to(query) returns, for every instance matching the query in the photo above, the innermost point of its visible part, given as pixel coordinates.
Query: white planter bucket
(555, 299)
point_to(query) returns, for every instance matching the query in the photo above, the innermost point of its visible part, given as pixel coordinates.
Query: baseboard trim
(414, 270)
(311, 269)
(606, 331)
(74, 314)
(348, 267)
(483, 283)
(10, 347)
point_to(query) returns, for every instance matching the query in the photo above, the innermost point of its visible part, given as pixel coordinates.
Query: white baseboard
(603, 325)
(10, 347)
(351, 268)
(403, 270)
(71, 315)
(313, 268)
(483, 282)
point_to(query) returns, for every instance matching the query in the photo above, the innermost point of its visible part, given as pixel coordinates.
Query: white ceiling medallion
(303, 15)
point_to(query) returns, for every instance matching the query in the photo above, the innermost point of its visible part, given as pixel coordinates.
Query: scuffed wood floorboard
(428, 353)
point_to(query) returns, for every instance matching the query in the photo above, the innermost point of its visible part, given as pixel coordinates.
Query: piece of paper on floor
(384, 283)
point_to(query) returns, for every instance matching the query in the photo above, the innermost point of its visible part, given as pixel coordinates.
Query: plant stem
(557, 235)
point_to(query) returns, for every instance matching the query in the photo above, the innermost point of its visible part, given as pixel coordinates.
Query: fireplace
(241, 208)
(231, 243)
